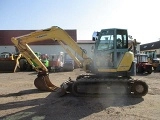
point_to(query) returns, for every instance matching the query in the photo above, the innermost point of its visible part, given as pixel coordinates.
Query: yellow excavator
(109, 71)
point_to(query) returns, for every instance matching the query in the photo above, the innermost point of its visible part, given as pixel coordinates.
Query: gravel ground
(20, 100)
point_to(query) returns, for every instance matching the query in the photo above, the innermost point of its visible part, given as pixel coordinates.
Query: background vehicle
(65, 62)
(152, 59)
(9, 62)
(68, 63)
(60, 62)
(25, 65)
(110, 68)
(142, 64)
(45, 60)
(156, 64)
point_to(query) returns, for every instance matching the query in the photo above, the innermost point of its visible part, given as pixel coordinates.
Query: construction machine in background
(68, 63)
(152, 59)
(61, 62)
(9, 62)
(58, 62)
(45, 60)
(54, 62)
(25, 65)
(109, 71)
(142, 64)
(155, 63)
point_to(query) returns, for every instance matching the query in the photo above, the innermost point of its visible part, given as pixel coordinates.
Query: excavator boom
(54, 33)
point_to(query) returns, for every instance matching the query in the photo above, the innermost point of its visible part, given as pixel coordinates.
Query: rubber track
(110, 85)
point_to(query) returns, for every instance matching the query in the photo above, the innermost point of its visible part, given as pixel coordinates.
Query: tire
(137, 69)
(154, 68)
(141, 70)
(149, 71)
(23, 64)
(49, 68)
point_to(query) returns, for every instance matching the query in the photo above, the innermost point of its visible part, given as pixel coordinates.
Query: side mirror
(95, 36)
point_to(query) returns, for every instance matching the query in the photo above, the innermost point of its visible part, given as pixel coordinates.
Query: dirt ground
(20, 100)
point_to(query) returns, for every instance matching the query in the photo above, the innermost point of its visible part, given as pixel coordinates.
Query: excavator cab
(111, 51)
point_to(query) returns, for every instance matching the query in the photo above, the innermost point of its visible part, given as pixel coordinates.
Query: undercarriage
(95, 85)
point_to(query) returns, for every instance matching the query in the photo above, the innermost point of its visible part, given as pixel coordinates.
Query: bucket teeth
(44, 84)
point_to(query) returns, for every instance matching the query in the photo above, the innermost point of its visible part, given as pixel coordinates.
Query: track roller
(43, 83)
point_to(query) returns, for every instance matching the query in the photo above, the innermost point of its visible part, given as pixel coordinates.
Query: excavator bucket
(43, 83)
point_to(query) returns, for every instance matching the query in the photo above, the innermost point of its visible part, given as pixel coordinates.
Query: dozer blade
(9, 66)
(44, 84)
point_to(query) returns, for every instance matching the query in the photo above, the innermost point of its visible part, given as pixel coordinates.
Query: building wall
(48, 49)
(88, 48)
(150, 47)
(6, 35)
(53, 49)
(146, 51)
(8, 48)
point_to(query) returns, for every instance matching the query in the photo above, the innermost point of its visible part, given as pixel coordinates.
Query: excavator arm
(54, 33)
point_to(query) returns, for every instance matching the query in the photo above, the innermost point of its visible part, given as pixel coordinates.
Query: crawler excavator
(110, 70)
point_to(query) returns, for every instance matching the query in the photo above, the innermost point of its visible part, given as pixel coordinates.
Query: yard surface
(20, 100)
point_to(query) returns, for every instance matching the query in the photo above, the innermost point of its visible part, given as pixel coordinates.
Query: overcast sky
(140, 17)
